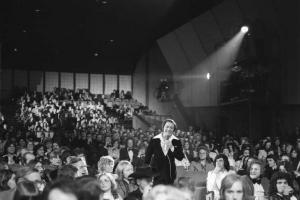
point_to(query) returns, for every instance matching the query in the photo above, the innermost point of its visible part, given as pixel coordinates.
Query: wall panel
(36, 82)
(96, 84)
(229, 18)
(139, 82)
(110, 83)
(82, 81)
(20, 78)
(208, 32)
(6, 84)
(67, 80)
(125, 83)
(51, 81)
(190, 44)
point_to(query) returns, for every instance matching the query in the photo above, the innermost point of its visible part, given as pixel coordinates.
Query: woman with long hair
(123, 170)
(232, 188)
(108, 187)
(202, 163)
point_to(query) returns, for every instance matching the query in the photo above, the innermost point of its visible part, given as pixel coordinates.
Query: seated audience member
(89, 188)
(245, 164)
(165, 192)
(141, 156)
(24, 174)
(230, 157)
(281, 187)
(232, 188)
(27, 157)
(144, 179)
(258, 185)
(10, 157)
(271, 167)
(62, 190)
(215, 176)
(188, 152)
(79, 164)
(285, 165)
(7, 180)
(188, 185)
(26, 190)
(36, 165)
(67, 172)
(114, 151)
(129, 152)
(108, 187)
(106, 164)
(39, 152)
(123, 170)
(203, 163)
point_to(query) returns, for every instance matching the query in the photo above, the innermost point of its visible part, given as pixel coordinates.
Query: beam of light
(244, 29)
(218, 61)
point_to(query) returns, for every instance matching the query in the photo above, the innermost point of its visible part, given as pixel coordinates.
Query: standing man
(162, 151)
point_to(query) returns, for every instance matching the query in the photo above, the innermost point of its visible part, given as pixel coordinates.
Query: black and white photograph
(149, 100)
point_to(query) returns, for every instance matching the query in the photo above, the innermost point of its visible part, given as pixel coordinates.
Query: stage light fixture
(244, 29)
(208, 76)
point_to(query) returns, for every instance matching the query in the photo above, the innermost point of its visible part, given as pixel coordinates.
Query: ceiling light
(96, 54)
(15, 49)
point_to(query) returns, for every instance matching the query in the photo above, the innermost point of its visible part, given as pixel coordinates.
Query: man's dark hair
(67, 172)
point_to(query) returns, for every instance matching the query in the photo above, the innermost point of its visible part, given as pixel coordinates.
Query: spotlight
(245, 29)
(208, 76)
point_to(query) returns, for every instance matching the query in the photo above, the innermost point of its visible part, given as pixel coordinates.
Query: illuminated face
(11, 149)
(168, 130)
(105, 183)
(130, 143)
(255, 171)
(57, 194)
(226, 151)
(81, 168)
(128, 169)
(235, 192)
(220, 163)
(40, 152)
(202, 154)
(109, 167)
(271, 162)
(281, 184)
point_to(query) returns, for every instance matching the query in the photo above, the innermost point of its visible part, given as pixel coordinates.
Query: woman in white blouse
(215, 176)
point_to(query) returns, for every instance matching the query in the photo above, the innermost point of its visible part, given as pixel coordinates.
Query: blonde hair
(164, 192)
(111, 178)
(120, 168)
(103, 162)
(227, 183)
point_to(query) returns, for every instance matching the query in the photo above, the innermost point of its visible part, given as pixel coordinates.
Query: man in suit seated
(129, 153)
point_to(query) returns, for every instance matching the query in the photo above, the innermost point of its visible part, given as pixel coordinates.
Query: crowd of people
(71, 145)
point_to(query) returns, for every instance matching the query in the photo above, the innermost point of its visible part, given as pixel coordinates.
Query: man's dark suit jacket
(163, 164)
(125, 156)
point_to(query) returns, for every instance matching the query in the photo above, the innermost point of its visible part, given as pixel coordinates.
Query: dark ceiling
(88, 35)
